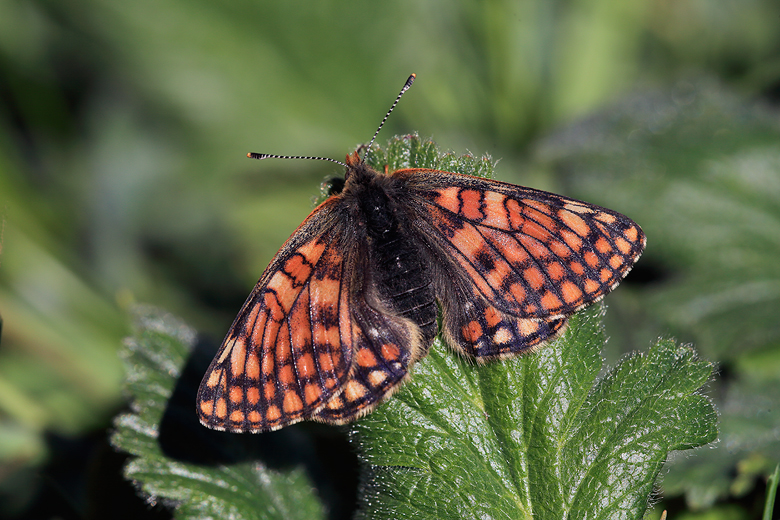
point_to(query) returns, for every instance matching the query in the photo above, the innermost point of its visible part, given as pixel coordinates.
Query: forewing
(290, 348)
(529, 253)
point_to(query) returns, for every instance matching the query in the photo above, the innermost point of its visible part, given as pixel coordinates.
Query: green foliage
(412, 152)
(536, 436)
(771, 492)
(539, 435)
(124, 125)
(699, 172)
(154, 357)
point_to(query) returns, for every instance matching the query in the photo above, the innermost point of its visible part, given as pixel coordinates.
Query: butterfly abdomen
(404, 282)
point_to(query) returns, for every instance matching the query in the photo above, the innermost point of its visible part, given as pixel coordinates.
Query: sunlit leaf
(540, 436)
(697, 167)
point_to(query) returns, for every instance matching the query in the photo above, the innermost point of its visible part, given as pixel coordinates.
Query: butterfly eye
(332, 186)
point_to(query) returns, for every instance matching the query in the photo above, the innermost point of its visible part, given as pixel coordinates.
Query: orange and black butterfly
(352, 299)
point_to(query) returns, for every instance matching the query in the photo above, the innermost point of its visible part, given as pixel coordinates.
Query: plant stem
(771, 491)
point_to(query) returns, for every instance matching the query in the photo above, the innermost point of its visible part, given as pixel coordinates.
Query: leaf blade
(541, 437)
(249, 489)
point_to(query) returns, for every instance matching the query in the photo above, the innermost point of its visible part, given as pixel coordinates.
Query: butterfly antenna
(404, 89)
(261, 156)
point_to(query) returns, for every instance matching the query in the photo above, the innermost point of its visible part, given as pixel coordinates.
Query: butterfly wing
(312, 334)
(290, 348)
(516, 254)
(384, 347)
(477, 328)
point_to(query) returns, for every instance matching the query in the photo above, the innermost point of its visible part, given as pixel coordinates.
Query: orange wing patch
(529, 253)
(520, 261)
(478, 329)
(382, 362)
(290, 349)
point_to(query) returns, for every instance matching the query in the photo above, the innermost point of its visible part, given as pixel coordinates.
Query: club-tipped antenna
(261, 156)
(397, 99)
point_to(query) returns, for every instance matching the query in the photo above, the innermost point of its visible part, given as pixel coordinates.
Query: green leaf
(697, 167)
(409, 151)
(469, 427)
(771, 492)
(538, 436)
(163, 468)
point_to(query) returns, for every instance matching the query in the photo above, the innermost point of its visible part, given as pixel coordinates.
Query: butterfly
(352, 300)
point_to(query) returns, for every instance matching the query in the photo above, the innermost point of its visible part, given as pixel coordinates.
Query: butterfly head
(358, 172)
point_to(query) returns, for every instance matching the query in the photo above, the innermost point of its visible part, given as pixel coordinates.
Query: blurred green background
(123, 179)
